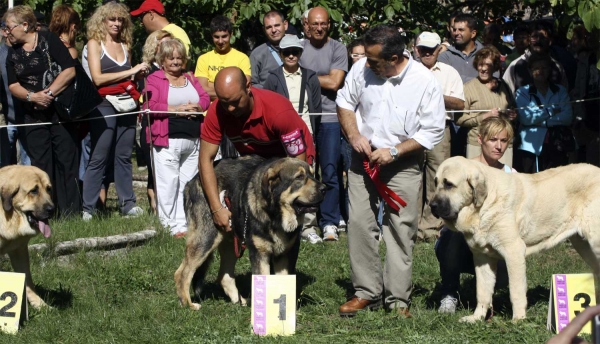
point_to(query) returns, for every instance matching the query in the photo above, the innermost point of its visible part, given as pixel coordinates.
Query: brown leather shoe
(356, 304)
(403, 312)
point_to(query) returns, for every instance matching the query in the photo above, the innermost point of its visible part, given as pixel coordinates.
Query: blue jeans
(8, 150)
(330, 154)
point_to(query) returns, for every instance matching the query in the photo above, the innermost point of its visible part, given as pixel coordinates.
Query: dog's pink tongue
(44, 228)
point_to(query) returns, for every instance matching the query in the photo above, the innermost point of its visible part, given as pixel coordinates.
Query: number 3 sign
(570, 295)
(274, 304)
(12, 290)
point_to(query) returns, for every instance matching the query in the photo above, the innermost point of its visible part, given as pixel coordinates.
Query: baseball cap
(149, 5)
(429, 39)
(289, 41)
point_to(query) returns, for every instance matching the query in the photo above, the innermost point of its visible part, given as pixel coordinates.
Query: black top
(33, 70)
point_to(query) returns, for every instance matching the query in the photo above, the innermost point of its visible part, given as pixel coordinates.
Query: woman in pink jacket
(176, 132)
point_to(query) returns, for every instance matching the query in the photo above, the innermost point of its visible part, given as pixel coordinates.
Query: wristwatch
(394, 153)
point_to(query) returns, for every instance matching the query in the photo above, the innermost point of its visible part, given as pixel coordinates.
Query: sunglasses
(288, 52)
(8, 30)
(356, 56)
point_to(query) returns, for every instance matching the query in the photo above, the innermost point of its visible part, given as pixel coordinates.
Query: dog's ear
(476, 180)
(7, 193)
(270, 176)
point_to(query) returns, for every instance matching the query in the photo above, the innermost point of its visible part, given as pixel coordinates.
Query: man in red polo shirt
(257, 122)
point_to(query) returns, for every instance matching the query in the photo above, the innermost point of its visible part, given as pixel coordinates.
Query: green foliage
(350, 18)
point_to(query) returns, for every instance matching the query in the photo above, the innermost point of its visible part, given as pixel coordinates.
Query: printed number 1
(281, 302)
(13, 301)
(586, 301)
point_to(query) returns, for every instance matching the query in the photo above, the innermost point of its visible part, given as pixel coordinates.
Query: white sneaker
(330, 233)
(341, 226)
(134, 212)
(448, 305)
(86, 216)
(312, 238)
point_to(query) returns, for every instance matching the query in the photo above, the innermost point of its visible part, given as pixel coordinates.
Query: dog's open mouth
(41, 225)
(303, 208)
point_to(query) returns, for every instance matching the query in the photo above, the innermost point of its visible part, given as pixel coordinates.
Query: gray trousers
(111, 134)
(394, 281)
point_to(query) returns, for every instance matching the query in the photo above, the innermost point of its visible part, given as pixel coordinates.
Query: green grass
(131, 298)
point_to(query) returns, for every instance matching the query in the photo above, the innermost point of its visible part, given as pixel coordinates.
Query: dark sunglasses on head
(288, 52)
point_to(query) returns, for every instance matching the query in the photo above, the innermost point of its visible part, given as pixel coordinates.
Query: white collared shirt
(393, 110)
(452, 85)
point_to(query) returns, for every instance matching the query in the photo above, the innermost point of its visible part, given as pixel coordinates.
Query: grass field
(131, 298)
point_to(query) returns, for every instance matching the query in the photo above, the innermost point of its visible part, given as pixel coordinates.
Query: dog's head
(459, 183)
(27, 197)
(293, 190)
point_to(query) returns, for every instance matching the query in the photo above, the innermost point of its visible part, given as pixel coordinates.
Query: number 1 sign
(274, 304)
(12, 292)
(570, 294)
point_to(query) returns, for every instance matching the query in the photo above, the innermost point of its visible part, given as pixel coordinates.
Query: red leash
(239, 247)
(389, 196)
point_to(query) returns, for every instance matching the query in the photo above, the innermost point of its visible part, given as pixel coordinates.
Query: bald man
(329, 59)
(257, 122)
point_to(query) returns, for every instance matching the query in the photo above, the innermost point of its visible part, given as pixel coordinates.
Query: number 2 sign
(273, 304)
(12, 287)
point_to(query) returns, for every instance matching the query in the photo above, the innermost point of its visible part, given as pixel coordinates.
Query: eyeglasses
(8, 30)
(357, 56)
(288, 52)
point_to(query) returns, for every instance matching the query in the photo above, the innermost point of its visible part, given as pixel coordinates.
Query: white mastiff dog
(512, 215)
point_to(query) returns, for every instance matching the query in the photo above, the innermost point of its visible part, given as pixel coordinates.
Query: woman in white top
(451, 249)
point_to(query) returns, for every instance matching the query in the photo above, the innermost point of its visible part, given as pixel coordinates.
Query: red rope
(239, 247)
(389, 196)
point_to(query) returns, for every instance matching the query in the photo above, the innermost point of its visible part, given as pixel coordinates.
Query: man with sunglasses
(266, 56)
(428, 47)
(329, 59)
(152, 16)
(301, 86)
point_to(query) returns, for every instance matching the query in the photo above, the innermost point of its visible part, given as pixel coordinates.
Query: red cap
(149, 5)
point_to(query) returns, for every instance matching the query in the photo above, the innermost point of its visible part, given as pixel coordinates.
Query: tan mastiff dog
(511, 215)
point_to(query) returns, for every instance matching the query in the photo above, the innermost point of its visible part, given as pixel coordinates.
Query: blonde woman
(175, 137)
(107, 57)
(149, 56)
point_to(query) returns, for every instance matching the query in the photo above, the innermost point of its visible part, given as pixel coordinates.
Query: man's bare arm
(208, 180)
(332, 81)
(359, 143)
(453, 103)
(209, 87)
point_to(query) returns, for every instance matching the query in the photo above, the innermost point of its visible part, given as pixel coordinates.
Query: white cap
(429, 39)
(290, 41)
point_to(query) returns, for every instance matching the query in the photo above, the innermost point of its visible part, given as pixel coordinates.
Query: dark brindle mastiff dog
(26, 205)
(268, 200)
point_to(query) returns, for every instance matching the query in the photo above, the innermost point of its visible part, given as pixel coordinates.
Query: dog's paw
(194, 306)
(516, 318)
(470, 319)
(243, 301)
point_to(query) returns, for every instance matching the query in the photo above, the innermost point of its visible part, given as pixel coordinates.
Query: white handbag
(122, 103)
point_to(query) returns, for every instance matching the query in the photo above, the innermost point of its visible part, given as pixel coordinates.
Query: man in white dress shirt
(401, 108)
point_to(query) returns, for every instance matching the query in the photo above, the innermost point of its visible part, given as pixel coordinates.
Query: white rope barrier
(310, 114)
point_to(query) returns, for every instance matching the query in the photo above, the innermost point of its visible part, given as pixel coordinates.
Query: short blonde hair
(167, 48)
(96, 29)
(149, 51)
(22, 14)
(492, 126)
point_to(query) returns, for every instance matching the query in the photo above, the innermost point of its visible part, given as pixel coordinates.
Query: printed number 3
(586, 301)
(281, 302)
(13, 301)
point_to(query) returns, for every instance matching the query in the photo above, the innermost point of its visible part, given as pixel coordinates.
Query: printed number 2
(281, 302)
(586, 301)
(13, 301)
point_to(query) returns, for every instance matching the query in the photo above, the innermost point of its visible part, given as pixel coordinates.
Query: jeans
(329, 146)
(8, 148)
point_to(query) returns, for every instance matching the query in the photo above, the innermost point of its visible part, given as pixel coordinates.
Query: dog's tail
(199, 275)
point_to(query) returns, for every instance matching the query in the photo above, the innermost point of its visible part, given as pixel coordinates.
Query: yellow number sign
(12, 291)
(570, 295)
(274, 304)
